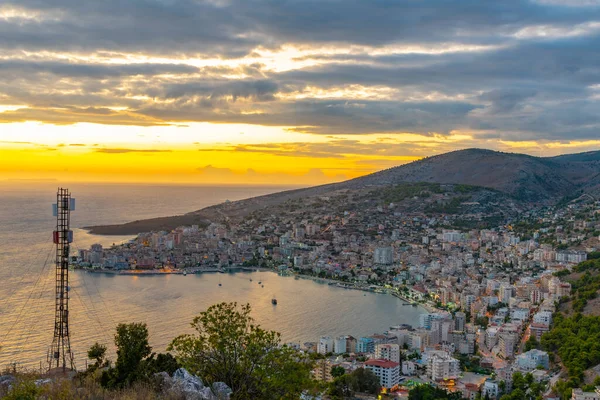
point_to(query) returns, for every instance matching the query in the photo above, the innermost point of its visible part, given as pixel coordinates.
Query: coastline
(195, 271)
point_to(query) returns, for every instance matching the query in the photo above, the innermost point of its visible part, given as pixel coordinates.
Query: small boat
(274, 301)
(184, 273)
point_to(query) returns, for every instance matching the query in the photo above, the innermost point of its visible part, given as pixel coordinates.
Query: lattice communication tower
(60, 354)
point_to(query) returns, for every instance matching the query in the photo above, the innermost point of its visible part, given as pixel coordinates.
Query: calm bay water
(167, 304)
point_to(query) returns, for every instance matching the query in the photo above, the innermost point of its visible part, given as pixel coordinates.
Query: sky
(288, 91)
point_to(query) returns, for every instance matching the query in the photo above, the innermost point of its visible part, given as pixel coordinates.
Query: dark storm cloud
(96, 71)
(260, 90)
(518, 70)
(334, 116)
(233, 27)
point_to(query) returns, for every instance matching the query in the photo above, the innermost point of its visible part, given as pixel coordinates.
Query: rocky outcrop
(221, 390)
(191, 386)
(6, 381)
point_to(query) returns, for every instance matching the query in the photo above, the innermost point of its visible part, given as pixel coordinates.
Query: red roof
(382, 363)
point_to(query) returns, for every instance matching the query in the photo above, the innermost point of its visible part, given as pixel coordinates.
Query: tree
(366, 381)
(132, 353)
(341, 387)
(428, 392)
(360, 380)
(97, 353)
(524, 387)
(228, 347)
(532, 343)
(482, 321)
(336, 371)
(502, 386)
(164, 362)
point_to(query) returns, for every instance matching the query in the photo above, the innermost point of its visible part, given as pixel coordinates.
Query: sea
(305, 311)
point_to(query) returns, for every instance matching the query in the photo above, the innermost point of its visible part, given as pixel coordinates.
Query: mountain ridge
(526, 178)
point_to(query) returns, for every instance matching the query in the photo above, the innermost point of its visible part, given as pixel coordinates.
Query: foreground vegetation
(574, 340)
(227, 347)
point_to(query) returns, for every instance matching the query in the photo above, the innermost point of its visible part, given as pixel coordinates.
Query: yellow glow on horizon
(224, 153)
(198, 153)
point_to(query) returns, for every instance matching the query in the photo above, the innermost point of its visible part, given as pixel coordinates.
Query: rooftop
(382, 363)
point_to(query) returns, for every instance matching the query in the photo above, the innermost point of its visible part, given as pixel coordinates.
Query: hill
(523, 178)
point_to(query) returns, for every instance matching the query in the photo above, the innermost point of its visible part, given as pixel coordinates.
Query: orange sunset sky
(226, 91)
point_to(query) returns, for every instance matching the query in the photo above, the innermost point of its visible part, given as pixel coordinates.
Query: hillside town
(488, 294)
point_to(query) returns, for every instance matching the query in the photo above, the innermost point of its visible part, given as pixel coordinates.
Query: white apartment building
(387, 371)
(507, 340)
(325, 345)
(339, 345)
(383, 255)
(409, 368)
(532, 359)
(579, 394)
(543, 317)
(505, 293)
(467, 300)
(390, 352)
(425, 320)
(452, 236)
(491, 336)
(519, 314)
(490, 389)
(441, 366)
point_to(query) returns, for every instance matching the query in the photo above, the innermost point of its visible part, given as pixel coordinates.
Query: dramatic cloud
(510, 70)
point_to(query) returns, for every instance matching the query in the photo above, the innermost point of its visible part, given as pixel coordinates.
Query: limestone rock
(7, 381)
(41, 382)
(221, 390)
(190, 385)
(163, 381)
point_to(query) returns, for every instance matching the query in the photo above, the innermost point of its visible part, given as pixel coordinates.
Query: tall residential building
(390, 352)
(350, 344)
(491, 389)
(467, 300)
(441, 366)
(505, 293)
(339, 345)
(383, 255)
(452, 236)
(507, 340)
(460, 319)
(425, 320)
(440, 330)
(325, 345)
(543, 317)
(322, 371)
(365, 345)
(387, 371)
